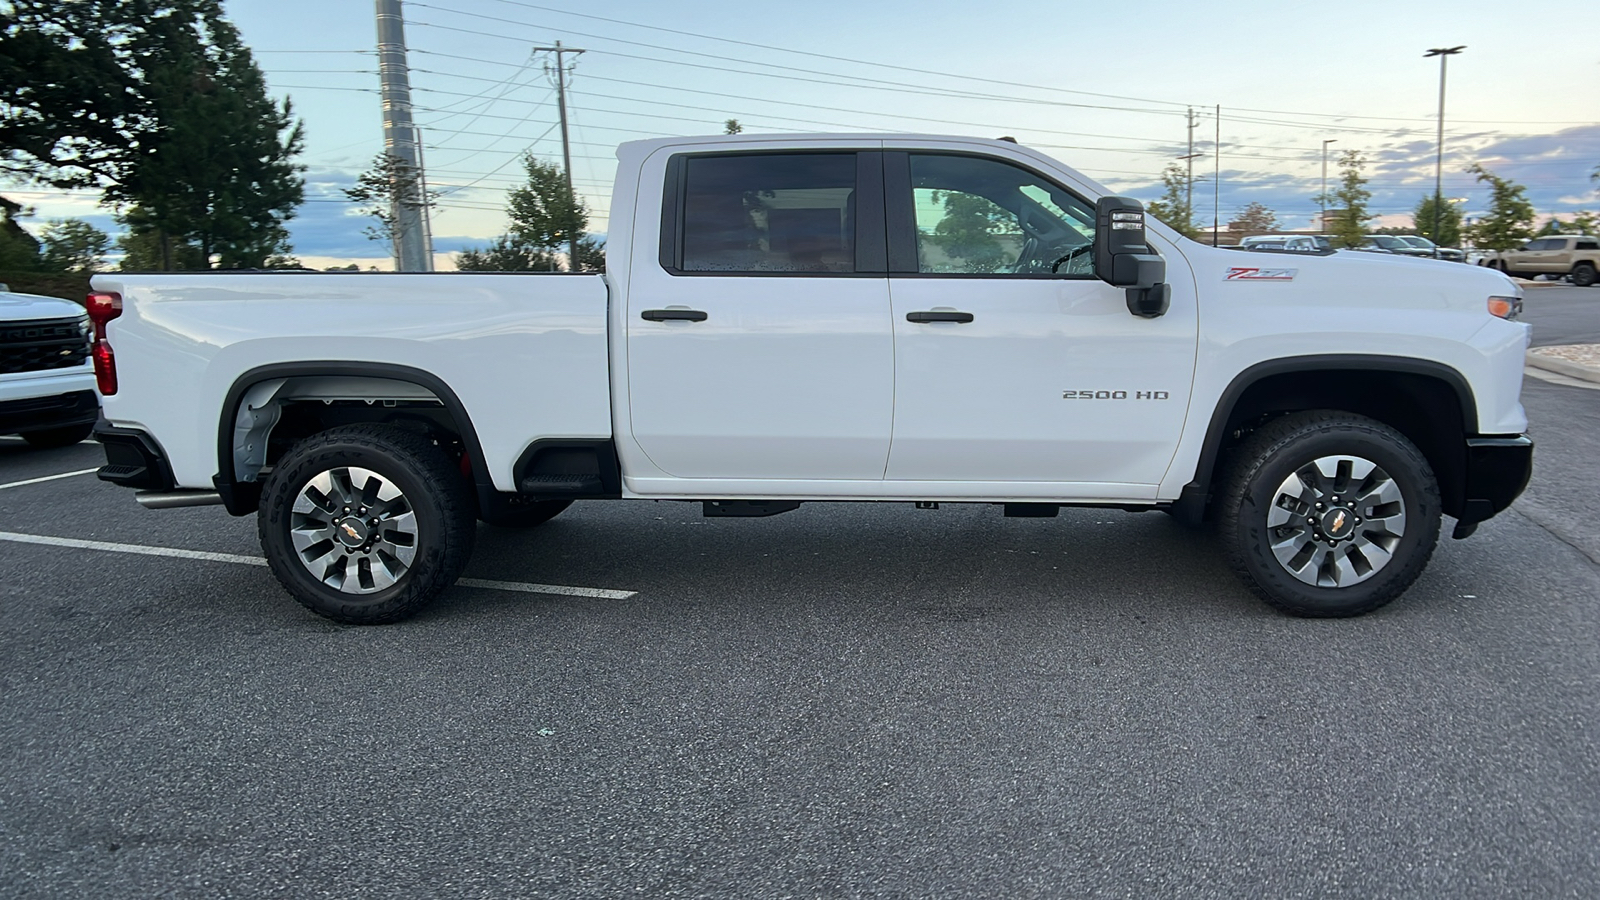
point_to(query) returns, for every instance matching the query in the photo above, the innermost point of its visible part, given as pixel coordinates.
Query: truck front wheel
(1329, 514)
(366, 524)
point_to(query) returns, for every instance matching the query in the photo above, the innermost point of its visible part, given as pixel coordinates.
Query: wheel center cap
(352, 532)
(1338, 523)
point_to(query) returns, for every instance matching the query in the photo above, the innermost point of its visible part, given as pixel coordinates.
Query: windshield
(1390, 242)
(1323, 241)
(1415, 241)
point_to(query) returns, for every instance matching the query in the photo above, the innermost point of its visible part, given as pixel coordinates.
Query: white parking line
(143, 550)
(47, 478)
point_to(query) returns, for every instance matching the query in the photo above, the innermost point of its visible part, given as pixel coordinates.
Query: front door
(759, 344)
(1013, 363)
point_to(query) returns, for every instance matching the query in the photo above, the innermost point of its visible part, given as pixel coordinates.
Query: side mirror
(1123, 257)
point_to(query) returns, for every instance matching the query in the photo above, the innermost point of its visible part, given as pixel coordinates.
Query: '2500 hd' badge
(1252, 273)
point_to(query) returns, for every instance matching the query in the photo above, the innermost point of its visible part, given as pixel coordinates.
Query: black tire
(431, 489)
(1290, 446)
(1583, 274)
(51, 438)
(512, 514)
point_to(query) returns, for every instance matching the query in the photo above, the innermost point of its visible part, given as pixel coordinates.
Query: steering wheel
(1070, 255)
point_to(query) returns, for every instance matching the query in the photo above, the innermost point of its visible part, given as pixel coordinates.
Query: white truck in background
(794, 319)
(47, 384)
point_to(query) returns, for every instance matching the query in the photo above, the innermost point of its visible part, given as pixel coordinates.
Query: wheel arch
(1429, 402)
(369, 380)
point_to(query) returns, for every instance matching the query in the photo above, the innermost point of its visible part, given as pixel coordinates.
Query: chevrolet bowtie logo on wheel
(357, 535)
(1338, 523)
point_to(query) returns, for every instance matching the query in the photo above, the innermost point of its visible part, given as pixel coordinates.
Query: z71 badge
(1252, 273)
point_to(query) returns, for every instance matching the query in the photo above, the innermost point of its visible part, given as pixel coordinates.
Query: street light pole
(1444, 54)
(1322, 225)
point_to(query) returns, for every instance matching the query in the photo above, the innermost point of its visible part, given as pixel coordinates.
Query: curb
(1563, 367)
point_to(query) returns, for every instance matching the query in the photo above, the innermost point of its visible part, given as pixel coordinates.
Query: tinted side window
(770, 213)
(1588, 245)
(978, 216)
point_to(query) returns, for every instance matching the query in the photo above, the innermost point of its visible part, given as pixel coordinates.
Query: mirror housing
(1123, 257)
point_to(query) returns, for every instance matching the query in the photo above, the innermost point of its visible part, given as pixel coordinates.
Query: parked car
(1303, 243)
(1576, 256)
(821, 343)
(1388, 243)
(1450, 254)
(47, 383)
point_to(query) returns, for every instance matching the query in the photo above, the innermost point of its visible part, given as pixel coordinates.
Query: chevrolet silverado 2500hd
(827, 318)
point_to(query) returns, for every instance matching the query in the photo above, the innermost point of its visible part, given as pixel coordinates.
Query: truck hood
(1352, 278)
(25, 307)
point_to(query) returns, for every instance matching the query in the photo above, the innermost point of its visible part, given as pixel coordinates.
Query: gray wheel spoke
(1336, 521)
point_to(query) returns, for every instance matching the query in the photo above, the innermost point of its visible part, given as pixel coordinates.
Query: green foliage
(1582, 222)
(546, 217)
(1509, 222)
(1347, 223)
(160, 104)
(73, 245)
(19, 250)
(732, 126)
(968, 230)
(1449, 221)
(1254, 217)
(1173, 208)
(391, 185)
(146, 248)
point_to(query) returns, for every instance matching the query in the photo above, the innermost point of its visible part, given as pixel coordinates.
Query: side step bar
(176, 499)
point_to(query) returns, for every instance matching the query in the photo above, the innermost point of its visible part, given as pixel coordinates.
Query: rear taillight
(102, 309)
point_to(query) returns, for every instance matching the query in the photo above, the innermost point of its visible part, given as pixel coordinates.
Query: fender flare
(241, 498)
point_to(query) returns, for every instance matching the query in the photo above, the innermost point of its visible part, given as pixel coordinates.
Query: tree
(732, 126)
(506, 254)
(390, 186)
(969, 230)
(160, 104)
(1348, 222)
(1173, 207)
(19, 250)
(1582, 222)
(146, 249)
(547, 218)
(73, 245)
(1254, 217)
(1449, 221)
(1509, 221)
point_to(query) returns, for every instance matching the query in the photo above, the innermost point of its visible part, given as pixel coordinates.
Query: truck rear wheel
(1329, 514)
(366, 524)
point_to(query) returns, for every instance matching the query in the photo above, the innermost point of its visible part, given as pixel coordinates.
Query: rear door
(759, 340)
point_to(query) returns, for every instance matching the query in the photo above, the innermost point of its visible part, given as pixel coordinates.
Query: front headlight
(1505, 307)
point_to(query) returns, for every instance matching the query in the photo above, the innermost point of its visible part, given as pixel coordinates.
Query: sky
(1103, 87)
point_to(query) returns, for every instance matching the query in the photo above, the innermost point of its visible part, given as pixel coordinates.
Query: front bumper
(1498, 469)
(53, 411)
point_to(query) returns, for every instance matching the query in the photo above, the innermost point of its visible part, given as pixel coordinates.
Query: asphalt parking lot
(847, 700)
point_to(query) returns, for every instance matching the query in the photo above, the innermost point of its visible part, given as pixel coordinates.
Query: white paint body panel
(818, 387)
(526, 354)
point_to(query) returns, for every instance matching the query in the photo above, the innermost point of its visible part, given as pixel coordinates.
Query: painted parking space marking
(48, 478)
(522, 587)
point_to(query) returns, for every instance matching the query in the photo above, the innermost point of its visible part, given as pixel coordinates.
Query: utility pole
(1188, 188)
(566, 146)
(1444, 55)
(402, 141)
(1323, 198)
(1216, 182)
(1189, 196)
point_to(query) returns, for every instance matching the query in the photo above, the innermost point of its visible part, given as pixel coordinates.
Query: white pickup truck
(828, 318)
(47, 389)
